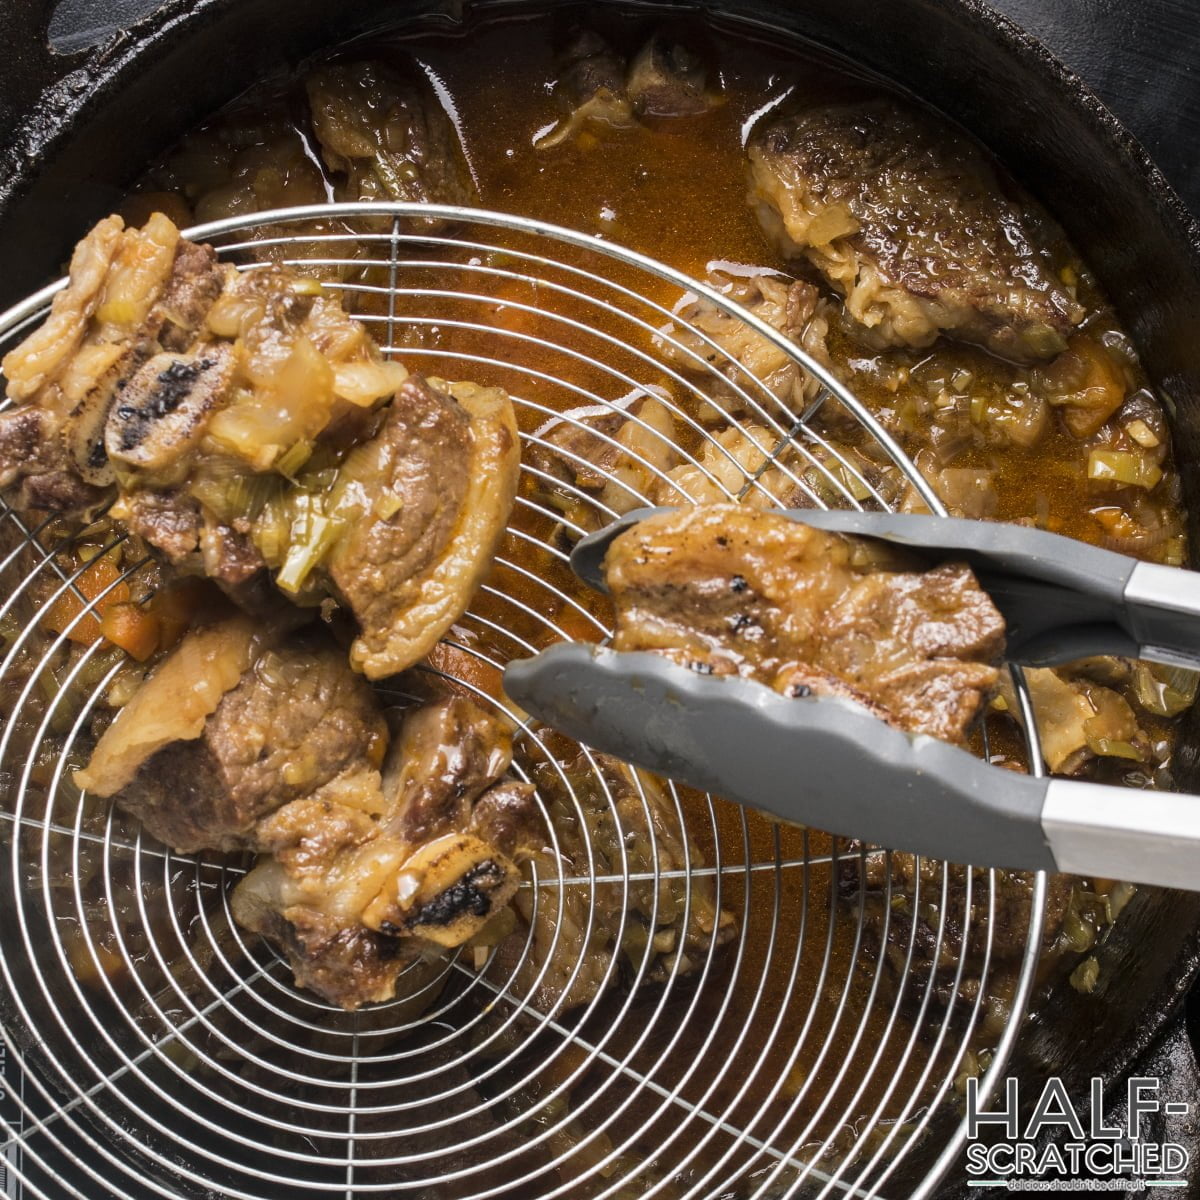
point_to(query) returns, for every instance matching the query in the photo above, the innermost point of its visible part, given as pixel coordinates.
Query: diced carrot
(91, 584)
(135, 629)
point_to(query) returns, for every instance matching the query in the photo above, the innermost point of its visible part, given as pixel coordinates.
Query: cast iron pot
(76, 129)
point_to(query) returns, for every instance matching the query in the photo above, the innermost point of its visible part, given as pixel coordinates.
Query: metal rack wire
(153, 1049)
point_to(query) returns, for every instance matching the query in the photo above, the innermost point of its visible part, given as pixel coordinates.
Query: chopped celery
(243, 494)
(293, 458)
(1106, 747)
(1164, 691)
(319, 533)
(388, 505)
(1123, 466)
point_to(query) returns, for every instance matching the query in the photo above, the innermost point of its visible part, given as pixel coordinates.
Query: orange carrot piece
(96, 577)
(133, 628)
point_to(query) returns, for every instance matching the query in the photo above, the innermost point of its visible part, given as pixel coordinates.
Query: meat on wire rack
(152, 1049)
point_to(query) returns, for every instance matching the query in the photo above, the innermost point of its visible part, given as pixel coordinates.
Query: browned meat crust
(427, 854)
(728, 589)
(908, 220)
(447, 467)
(667, 80)
(31, 461)
(447, 755)
(194, 284)
(996, 922)
(506, 817)
(345, 964)
(386, 137)
(792, 306)
(169, 521)
(250, 431)
(52, 446)
(664, 80)
(299, 718)
(420, 453)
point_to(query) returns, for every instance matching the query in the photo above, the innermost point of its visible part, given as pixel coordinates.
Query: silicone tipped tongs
(826, 762)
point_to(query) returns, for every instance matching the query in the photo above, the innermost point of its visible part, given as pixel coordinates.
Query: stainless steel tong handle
(826, 762)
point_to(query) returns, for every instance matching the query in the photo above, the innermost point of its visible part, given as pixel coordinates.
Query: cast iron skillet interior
(75, 130)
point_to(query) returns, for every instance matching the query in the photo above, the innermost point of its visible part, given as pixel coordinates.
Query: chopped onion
(363, 383)
(319, 535)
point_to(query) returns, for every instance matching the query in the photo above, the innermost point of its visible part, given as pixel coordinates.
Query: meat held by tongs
(738, 597)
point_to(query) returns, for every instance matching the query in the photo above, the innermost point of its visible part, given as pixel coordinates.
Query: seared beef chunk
(268, 438)
(170, 521)
(907, 219)
(191, 289)
(1012, 901)
(342, 962)
(591, 69)
(591, 79)
(256, 366)
(298, 718)
(190, 538)
(363, 861)
(734, 590)
(595, 463)
(37, 475)
(447, 756)
(665, 79)
(998, 915)
(250, 737)
(506, 817)
(385, 137)
(747, 359)
(130, 293)
(735, 465)
(101, 326)
(424, 505)
(174, 701)
(233, 562)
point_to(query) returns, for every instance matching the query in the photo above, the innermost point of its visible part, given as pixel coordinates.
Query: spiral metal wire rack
(153, 1049)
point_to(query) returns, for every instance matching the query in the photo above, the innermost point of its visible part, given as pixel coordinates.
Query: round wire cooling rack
(693, 1001)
